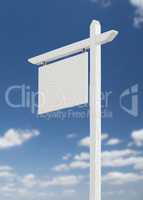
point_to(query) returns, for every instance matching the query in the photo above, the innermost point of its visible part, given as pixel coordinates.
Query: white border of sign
(93, 43)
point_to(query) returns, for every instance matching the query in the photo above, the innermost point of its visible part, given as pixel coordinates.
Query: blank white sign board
(63, 84)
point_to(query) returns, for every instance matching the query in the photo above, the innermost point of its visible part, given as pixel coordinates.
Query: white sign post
(93, 43)
(95, 113)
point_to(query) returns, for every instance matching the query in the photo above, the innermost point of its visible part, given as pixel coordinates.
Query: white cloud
(118, 192)
(8, 188)
(73, 165)
(138, 15)
(6, 172)
(14, 137)
(104, 136)
(122, 178)
(31, 186)
(114, 141)
(139, 164)
(119, 158)
(46, 195)
(5, 168)
(138, 3)
(103, 3)
(61, 168)
(82, 156)
(80, 161)
(137, 137)
(114, 159)
(124, 162)
(71, 136)
(67, 156)
(122, 158)
(79, 165)
(118, 153)
(66, 181)
(86, 140)
(29, 180)
(68, 192)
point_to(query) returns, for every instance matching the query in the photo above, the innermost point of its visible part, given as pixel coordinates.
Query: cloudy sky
(47, 157)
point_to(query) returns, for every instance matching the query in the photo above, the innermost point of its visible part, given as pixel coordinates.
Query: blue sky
(48, 157)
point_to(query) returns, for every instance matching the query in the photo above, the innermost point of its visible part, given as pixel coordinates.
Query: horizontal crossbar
(72, 48)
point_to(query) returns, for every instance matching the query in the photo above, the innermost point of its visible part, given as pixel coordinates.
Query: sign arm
(71, 49)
